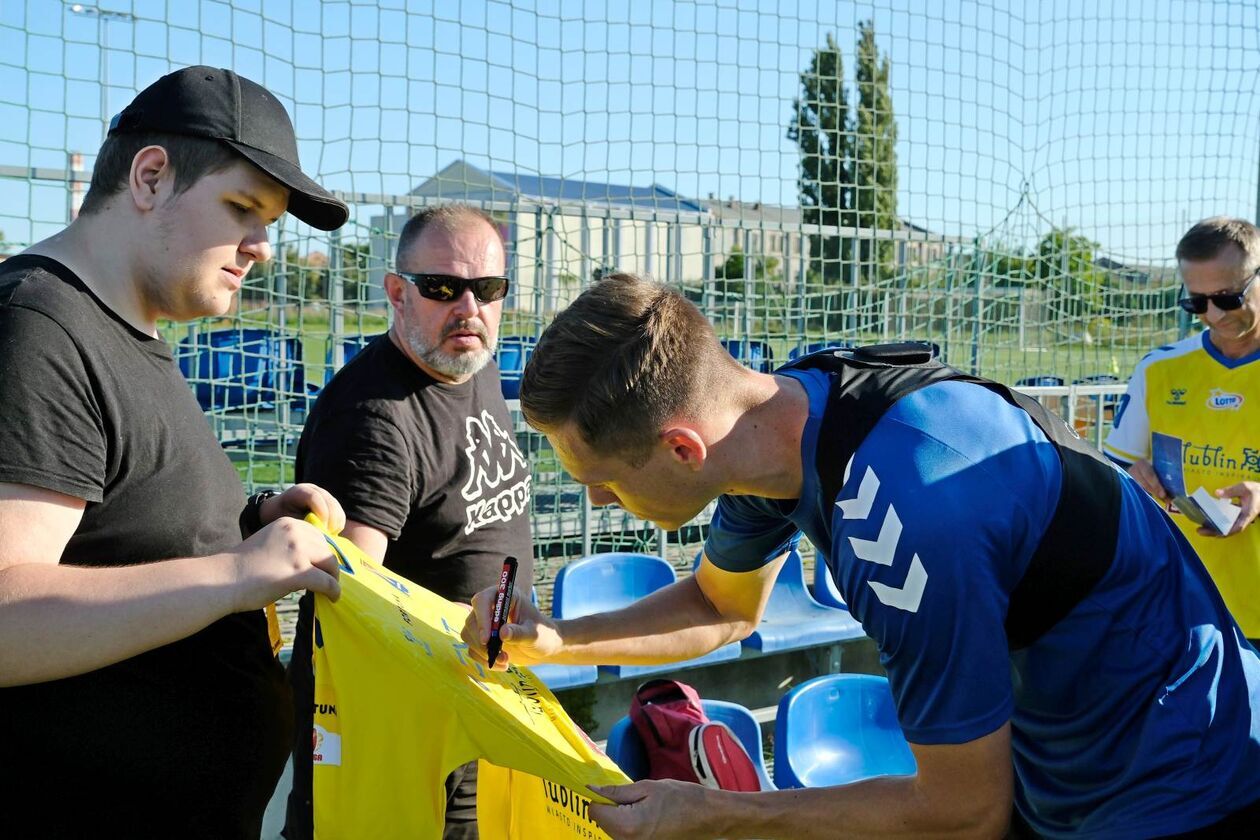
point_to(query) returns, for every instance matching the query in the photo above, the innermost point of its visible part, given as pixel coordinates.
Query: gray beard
(453, 365)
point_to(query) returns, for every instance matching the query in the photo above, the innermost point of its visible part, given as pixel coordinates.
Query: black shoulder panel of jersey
(867, 381)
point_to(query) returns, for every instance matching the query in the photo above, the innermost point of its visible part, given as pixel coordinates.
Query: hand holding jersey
(287, 555)
(302, 499)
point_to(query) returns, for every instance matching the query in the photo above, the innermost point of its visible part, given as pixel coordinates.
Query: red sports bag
(681, 742)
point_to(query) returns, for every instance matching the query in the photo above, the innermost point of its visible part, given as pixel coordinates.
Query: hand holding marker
(502, 603)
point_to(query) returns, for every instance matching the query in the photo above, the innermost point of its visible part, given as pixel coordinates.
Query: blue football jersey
(1133, 716)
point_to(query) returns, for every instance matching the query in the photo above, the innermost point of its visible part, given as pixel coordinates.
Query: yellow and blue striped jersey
(1212, 403)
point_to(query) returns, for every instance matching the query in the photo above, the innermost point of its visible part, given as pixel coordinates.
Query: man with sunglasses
(1205, 390)
(414, 439)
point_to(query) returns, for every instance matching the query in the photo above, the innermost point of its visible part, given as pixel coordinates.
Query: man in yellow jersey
(1205, 391)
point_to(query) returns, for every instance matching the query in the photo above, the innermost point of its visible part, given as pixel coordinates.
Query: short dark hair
(1210, 237)
(624, 359)
(449, 217)
(191, 159)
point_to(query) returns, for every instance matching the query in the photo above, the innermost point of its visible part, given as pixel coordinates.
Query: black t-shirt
(185, 740)
(433, 466)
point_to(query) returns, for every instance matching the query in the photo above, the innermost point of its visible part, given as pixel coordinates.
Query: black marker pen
(502, 603)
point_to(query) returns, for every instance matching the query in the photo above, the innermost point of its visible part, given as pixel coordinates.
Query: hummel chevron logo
(908, 596)
(860, 507)
(880, 550)
(883, 549)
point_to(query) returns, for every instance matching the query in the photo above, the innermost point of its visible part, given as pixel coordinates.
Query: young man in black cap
(139, 692)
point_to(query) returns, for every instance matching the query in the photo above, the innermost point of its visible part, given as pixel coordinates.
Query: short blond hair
(627, 357)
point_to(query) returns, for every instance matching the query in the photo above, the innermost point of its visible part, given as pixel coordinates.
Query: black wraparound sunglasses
(1225, 301)
(447, 287)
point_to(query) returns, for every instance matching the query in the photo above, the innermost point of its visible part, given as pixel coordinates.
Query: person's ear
(686, 446)
(395, 290)
(149, 169)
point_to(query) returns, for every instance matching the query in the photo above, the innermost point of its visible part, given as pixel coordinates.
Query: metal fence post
(336, 300)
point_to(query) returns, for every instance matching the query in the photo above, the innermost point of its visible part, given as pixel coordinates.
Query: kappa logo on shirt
(498, 477)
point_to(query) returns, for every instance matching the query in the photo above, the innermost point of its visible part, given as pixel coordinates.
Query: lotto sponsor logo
(1220, 400)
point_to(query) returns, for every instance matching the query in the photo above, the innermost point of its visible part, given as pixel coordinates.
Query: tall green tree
(848, 170)
(874, 155)
(820, 128)
(1065, 261)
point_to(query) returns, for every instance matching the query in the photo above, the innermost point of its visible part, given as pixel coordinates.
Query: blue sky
(1128, 123)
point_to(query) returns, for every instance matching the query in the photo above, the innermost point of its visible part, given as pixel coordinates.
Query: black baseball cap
(221, 105)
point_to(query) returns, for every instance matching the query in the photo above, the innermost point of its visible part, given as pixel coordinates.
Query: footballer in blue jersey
(1133, 712)
(1146, 681)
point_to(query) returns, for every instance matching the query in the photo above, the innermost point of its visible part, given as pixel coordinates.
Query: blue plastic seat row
(511, 354)
(818, 346)
(258, 368)
(255, 367)
(755, 354)
(605, 582)
(837, 729)
(562, 676)
(793, 619)
(832, 730)
(242, 368)
(759, 356)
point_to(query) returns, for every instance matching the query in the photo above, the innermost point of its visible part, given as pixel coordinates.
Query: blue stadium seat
(604, 582)
(837, 729)
(1097, 379)
(755, 354)
(818, 346)
(242, 368)
(556, 677)
(825, 590)
(511, 355)
(793, 619)
(552, 500)
(1040, 381)
(351, 346)
(625, 747)
(562, 676)
(1045, 380)
(1108, 401)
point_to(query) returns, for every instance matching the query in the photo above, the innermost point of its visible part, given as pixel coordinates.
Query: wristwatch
(251, 516)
